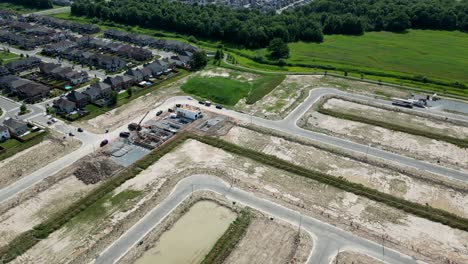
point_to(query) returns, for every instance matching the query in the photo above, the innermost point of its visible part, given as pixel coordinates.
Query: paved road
(288, 125)
(60, 10)
(327, 238)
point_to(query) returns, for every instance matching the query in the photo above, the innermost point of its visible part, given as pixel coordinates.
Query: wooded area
(252, 29)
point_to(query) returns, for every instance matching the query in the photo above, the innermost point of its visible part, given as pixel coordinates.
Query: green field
(229, 91)
(436, 54)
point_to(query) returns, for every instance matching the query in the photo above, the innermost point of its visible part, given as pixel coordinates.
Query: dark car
(178, 105)
(159, 113)
(104, 142)
(71, 134)
(80, 129)
(49, 123)
(219, 107)
(201, 102)
(170, 110)
(124, 134)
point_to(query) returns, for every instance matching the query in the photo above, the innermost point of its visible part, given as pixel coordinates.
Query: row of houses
(120, 49)
(23, 64)
(26, 90)
(146, 40)
(29, 42)
(98, 93)
(56, 71)
(12, 126)
(70, 51)
(63, 24)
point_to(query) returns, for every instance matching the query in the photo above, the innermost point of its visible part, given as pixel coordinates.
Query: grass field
(6, 57)
(229, 91)
(13, 146)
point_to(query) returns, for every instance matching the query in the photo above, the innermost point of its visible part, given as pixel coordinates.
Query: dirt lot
(383, 179)
(295, 88)
(397, 118)
(36, 157)
(350, 257)
(281, 245)
(406, 144)
(57, 196)
(406, 232)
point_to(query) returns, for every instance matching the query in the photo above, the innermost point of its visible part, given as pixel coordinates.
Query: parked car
(159, 113)
(219, 107)
(207, 103)
(104, 142)
(178, 105)
(80, 129)
(124, 134)
(49, 122)
(170, 110)
(201, 102)
(71, 134)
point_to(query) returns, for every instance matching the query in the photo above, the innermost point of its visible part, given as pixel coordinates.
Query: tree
(397, 21)
(113, 98)
(23, 109)
(129, 91)
(278, 49)
(198, 61)
(219, 55)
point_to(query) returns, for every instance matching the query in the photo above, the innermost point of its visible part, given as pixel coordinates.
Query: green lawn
(13, 146)
(6, 57)
(228, 91)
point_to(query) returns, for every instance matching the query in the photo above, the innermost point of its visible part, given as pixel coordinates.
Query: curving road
(288, 125)
(327, 238)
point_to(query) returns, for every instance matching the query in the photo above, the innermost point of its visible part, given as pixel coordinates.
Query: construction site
(327, 176)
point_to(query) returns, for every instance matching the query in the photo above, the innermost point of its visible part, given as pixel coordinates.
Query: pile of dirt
(95, 169)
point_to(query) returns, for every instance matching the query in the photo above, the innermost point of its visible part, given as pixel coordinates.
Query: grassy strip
(28, 239)
(427, 133)
(264, 86)
(428, 212)
(228, 241)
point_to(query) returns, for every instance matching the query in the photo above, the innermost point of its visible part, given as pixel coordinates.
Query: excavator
(135, 126)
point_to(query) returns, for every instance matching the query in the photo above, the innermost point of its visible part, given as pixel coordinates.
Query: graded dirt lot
(382, 179)
(419, 147)
(295, 88)
(351, 257)
(36, 157)
(78, 241)
(64, 189)
(269, 241)
(397, 118)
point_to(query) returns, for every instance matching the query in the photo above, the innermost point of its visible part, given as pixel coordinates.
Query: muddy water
(192, 236)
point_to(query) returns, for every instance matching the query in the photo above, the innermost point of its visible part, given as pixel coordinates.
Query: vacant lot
(307, 196)
(6, 57)
(397, 118)
(295, 88)
(228, 87)
(385, 180)
(419, 147)
(351, 257)
(269, 241)
(36, 157)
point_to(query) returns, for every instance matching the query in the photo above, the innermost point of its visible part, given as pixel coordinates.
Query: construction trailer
(189, 113)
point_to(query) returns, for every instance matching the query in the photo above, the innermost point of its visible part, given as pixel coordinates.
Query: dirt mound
(95, 169)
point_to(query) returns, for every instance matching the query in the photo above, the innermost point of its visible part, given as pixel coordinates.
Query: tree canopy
(41, 4)
(253, 29)
(278, 49)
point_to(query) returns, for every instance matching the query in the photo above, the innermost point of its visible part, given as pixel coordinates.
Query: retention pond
(192, 236)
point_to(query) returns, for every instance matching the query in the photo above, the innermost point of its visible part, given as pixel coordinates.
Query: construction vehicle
(135, 126)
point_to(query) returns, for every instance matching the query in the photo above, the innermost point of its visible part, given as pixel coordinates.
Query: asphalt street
(327, 238)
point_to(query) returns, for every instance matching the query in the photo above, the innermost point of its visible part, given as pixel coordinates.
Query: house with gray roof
(15, 126)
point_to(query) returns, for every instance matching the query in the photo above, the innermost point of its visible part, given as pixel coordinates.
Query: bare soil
(57, 196)
(36, 157)
(419, 147)
(80, 242)
(351, 257)
(270, 242)
(398, 118)
(382, 179)
(295, 89)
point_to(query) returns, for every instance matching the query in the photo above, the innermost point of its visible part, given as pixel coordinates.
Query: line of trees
(253, 29)
(40, 4)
